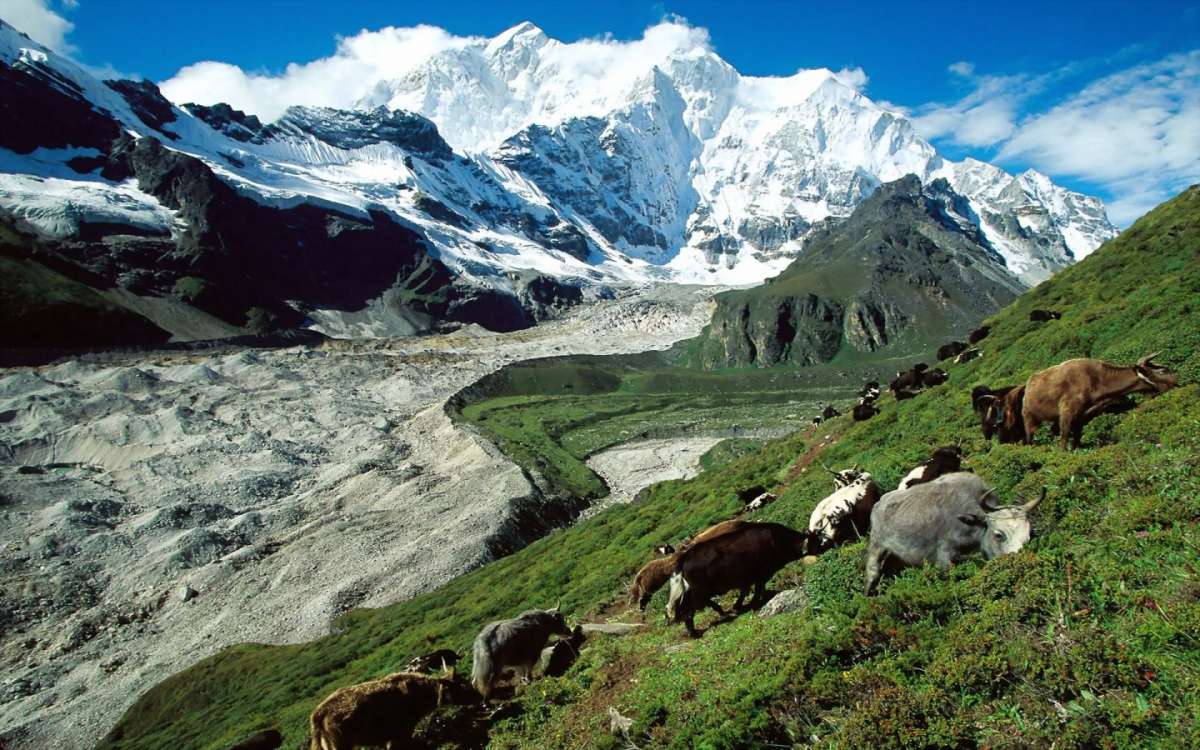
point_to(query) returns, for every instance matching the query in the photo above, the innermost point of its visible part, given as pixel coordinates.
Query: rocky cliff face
(906, 270)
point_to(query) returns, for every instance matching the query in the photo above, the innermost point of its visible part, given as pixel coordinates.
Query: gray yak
(1079, 389)
(740, 560)
(941, 522)
(383, 712)
(515, 644)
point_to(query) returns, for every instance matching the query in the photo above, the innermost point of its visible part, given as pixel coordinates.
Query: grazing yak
(909, 378)
(967, 355)
(870, 390)
(1041, 316)
(864, 411)
(941, 522)
(515, 643)
(904, 394)
(655, 574)
(760, 502)
(384, 711)
(1078, 390)
(945, 460)
(979, 334)
(953, 349)
(999, 411)
(830, 412)
(933, 377)
(846, 513)
(442, 659)
(663, 550)
(558, 657)
(740, 560)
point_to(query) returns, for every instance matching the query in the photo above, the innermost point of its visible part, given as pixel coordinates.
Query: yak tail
(483, 671)
(320, 737)
(679, 588)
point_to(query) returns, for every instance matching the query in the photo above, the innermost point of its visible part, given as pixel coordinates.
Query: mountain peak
(524, 34)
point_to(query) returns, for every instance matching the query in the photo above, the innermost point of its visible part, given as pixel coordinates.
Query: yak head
(847, 477)
(1003, 530)
(455, 690)
(1157, 377)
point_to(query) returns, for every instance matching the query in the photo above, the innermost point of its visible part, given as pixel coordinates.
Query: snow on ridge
(668, 163)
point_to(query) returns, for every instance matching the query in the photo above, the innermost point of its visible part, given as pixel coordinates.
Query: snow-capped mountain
(509, 161)
(686, 163)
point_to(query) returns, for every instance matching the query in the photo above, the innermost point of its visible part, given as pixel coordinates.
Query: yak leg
(760, 594)
(1032, 423)
(876, 555)
(690, 624)
(1068, 415)
(712, 604)
(945, 557)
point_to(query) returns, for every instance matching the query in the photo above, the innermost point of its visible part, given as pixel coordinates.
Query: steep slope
(905, 271)
(1087, 637)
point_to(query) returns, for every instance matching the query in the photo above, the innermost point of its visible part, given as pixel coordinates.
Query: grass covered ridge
(1090, 637)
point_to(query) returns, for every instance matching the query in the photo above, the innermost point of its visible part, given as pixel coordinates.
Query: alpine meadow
(431, 377)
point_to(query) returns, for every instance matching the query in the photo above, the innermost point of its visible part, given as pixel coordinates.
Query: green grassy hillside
(1090, 637)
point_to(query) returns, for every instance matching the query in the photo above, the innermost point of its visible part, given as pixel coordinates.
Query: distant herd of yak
(938, 514)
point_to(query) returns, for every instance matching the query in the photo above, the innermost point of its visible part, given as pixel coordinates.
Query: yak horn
(983, 499)
(557, 604)
(1029, 506)
(1146, 360)
(987, 397)
(831, 471)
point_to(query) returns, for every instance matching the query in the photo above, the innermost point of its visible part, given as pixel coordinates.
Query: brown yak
(384, 711)
(655, 574)
(1078, 389)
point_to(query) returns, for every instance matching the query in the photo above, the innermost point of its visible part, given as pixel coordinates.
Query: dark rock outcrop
(906, 270)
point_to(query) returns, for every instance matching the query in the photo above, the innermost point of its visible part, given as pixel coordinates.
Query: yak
(908, 379)
(999, 411)
(515, 643)
(945, 460)
(656, 573)
(979, 334)
(741, 560)
(1041, 316)
(941, 522)
(1076, 391)
(864, 411)
(443, 659)
(845, 513)
(953, 349)
(384, 711)
(933, 377)
(558, 657)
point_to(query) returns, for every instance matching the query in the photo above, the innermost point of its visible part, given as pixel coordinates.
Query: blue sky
(1104, 96)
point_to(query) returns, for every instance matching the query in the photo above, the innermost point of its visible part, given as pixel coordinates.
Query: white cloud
(335, 81)
(962, 68)
(856, 78)
(1136, 131)
(38, 19)
(982, 118)
(362, 61)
